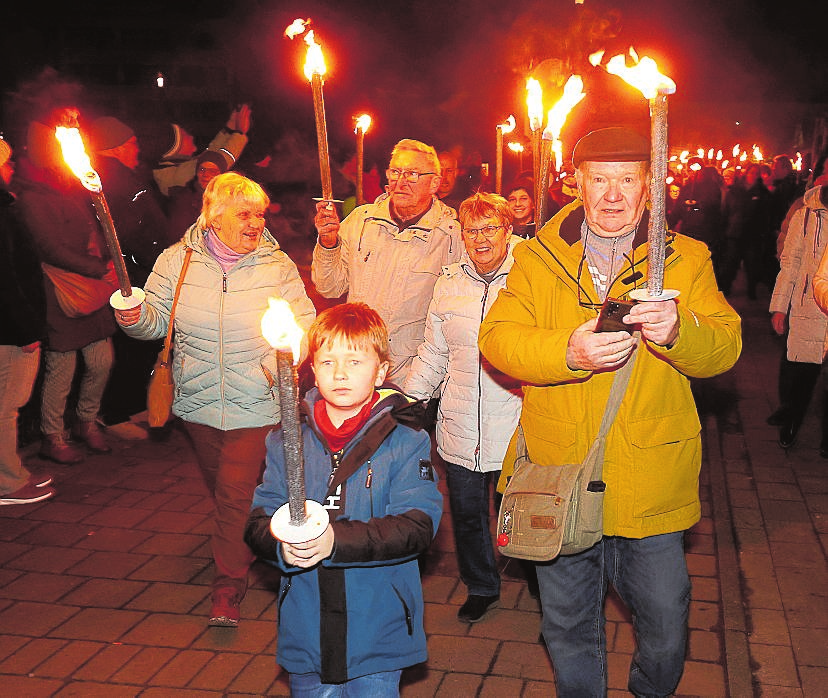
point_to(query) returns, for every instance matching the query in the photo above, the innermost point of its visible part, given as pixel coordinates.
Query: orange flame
(507, 126)
(362, 123)
(76, 158)
(296, 28)
(643, 75)
(534, 103)
(279, 327)
(736, 150)
(515, 147)
(596, 58)
(314, 59)
(573, 93)
(757, 153)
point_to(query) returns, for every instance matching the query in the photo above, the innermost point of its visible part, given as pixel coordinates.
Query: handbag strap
(165, 352)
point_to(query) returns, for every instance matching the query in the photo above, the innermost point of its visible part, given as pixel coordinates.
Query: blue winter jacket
(360, 611)
(221, 362)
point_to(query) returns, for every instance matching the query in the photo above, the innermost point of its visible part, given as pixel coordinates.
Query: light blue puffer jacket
(220, 358)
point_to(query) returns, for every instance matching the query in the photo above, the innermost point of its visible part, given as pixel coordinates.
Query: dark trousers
(232, 463)
(796, 386)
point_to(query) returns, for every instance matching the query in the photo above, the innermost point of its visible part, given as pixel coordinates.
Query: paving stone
(701, 565)
(505, 624)
(705, 646)
(253, 637)
(167, 598)
(106, 624)
(523, 660)
(222, 669)
(113, 539)
(31, 686)
(420, 682)
(810, 646)
(108, 564)
(706, 589)
(47, 558)
(762, 592)
(35, 586)
(454, 684)
(55, 534)
(117, 517)
(499, 686)
(702, 679)
(704, 615)
(32, 619)
(144, 665)
(769, 627)
(169, 544)
(775, 665)
(256, 678)
(109, 593)
(172, 521)
(109, 660)
(182, 668)
(814, 681)
(799, 555)
(69, 658)
(167, 568)
(29, 656)
(167, 630)
(461, 654)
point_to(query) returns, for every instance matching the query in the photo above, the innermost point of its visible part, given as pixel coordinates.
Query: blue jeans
(383, 684)
(650, 575)
(469, 501)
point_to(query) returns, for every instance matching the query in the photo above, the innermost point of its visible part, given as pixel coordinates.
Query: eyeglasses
(487, 231)
(410, 176)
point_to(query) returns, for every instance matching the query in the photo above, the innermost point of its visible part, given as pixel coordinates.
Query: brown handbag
(79, 295)
(161, 390)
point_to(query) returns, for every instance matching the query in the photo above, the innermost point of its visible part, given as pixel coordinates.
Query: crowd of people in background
(428, 251)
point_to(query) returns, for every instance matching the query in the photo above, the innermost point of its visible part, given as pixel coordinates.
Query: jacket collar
(466, 266)
(559, 245)
(423, 228)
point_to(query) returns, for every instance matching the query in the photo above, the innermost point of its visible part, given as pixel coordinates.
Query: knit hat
(220, 158)
(5, 152)
(107, 132)
(177, 140)
(614, 144)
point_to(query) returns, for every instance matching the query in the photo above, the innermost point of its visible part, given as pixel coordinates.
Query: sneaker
(40, 480)
(54, 447)
(476, 608)
(90, 433)
(28, 494)
(225, 610)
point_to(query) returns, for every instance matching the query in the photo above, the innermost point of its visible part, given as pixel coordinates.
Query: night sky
(448, 72)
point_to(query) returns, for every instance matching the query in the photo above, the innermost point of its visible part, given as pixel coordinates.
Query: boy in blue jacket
(350, 603)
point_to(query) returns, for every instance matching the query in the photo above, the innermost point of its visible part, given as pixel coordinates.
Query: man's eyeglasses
(487, 231)
(410, 176)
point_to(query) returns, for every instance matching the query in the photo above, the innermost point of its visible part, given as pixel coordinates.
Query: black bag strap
(165, 352)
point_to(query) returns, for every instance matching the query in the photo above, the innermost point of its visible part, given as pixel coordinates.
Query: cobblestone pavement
(104, 590)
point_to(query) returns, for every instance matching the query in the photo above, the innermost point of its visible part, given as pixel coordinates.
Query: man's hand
(327, 224)
(308, 554)
(779, 322)
(588, 350)
(659, 321)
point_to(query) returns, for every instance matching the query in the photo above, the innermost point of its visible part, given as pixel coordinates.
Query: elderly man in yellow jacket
(541, 330)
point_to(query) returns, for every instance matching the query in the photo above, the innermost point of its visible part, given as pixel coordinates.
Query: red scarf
(338, 438)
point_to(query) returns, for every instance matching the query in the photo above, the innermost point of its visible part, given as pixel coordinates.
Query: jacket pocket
(666, 458)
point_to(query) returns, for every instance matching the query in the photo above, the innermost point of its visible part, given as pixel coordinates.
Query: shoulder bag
(551, 510)
(161, 390)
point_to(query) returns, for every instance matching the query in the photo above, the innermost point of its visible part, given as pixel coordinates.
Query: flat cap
(613, 144)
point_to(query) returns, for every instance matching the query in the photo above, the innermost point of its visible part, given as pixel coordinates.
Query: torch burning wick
(74, 153)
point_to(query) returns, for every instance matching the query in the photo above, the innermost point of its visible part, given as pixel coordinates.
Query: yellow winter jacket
(653, 453)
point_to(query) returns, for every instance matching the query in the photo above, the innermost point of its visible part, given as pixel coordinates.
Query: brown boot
(91, 434)
(54, 447)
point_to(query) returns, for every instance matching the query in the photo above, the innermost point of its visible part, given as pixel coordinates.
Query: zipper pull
(369, 478)
(224, 283)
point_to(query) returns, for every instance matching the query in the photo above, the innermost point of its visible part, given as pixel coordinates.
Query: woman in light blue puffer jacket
(222, 365)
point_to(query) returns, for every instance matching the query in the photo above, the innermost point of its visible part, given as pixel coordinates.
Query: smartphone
(609, 319)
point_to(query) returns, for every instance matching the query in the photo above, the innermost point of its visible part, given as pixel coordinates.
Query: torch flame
(296, 28)
(314, 59)
(736, 150)
(76, 158)
(596, 58)
(573, 93)
(534, 103)
(362, 123)
(279, 327)
(757, 153)
(508, 126)
(643, 75)
(515, 147)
